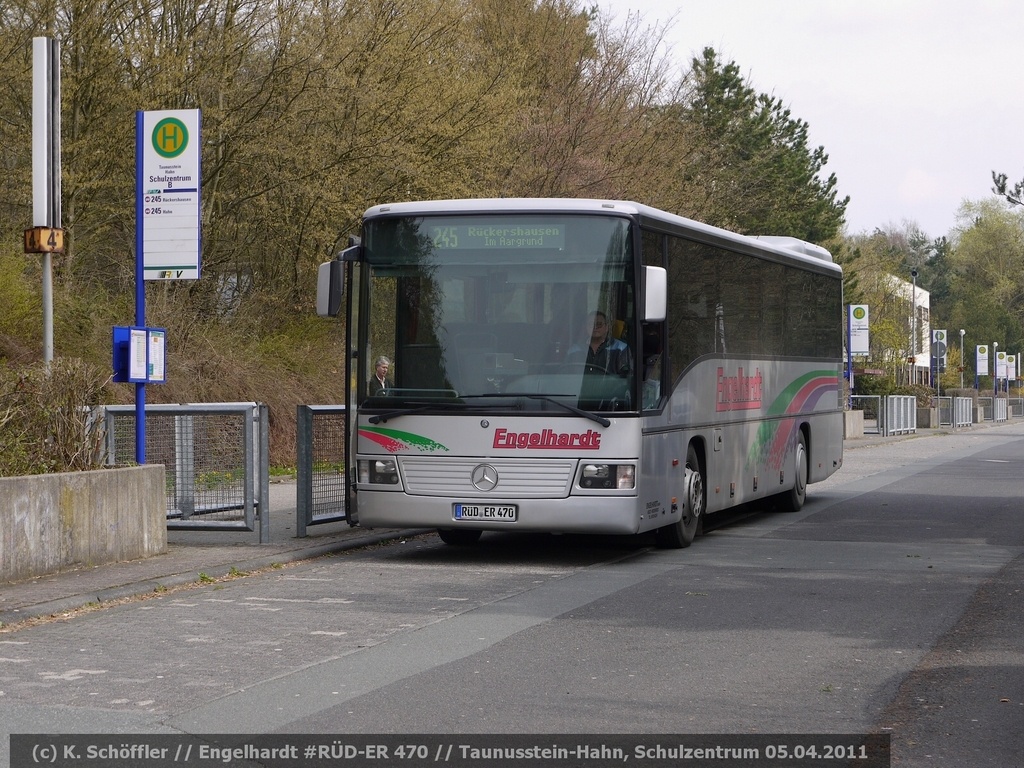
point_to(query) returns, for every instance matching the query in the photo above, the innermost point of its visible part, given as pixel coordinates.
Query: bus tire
(463, 537)
(681, 533)
(793, 499)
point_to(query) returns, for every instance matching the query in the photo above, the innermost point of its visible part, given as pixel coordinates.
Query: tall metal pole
(995, 376)
(140, 288)
(849, 357)
(913, 327)
(46, 185)
(962, 361)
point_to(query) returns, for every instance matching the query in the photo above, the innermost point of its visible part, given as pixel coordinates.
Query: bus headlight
(378, 471)
(619, 476)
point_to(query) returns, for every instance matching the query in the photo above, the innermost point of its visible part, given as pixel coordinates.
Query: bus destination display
(483, 236)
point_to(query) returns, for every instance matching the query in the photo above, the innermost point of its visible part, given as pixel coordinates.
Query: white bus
(588, 366)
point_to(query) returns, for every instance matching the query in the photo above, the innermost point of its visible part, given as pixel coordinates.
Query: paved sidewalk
(191, 555)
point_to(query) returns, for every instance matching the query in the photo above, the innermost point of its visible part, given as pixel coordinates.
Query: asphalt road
(892, 603)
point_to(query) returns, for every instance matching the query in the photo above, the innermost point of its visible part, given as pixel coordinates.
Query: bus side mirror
(655, 287)
(330, 287)
(330, 280)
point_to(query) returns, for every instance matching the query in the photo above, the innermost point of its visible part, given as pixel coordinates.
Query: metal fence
(993, 408)
(963, 412)
(215, 457)
(899, 415)
(955, 412)
(320, 466)
(889, 415)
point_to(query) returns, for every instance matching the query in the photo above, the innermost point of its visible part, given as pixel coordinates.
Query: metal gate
(215, 457)
(320, 466)
(871, 405)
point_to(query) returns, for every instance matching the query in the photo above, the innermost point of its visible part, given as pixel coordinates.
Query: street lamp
(962, 332)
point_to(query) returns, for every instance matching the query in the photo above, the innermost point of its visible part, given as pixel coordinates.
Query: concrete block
(853, 424)
(57, 522)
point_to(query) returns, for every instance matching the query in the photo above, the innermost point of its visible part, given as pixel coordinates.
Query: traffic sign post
(857, 329)
(167, 241)
(938, 359)
(167, 194)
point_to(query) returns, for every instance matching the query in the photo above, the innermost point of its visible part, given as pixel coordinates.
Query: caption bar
(459, 751)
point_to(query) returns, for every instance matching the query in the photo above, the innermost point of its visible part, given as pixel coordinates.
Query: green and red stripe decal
(395, 440)
(775, 437)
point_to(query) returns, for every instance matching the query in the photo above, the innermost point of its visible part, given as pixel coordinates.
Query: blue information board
(140, 355)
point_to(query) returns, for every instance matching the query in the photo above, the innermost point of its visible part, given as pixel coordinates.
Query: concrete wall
(58, 522)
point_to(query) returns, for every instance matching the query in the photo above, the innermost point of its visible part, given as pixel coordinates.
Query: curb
(15, 616)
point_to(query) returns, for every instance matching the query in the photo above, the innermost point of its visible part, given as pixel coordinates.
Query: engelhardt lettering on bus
(739, 392)
(547, 438)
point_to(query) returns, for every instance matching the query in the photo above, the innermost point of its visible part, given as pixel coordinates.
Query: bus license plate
(507, 513)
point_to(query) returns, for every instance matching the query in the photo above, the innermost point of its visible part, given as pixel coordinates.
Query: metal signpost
(167, 194)
(938, 348)
(857, 339)
(46, 236)
(167, 239)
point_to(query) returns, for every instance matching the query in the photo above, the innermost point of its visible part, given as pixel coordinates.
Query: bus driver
(604, 354)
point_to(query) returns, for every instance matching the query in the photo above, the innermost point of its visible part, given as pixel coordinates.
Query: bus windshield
(531, 312)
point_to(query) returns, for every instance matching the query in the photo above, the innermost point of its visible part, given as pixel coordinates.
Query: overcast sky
(915, 101)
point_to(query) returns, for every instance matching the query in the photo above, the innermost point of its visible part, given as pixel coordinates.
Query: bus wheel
(682, 533)
(464, 537)
(793, 499)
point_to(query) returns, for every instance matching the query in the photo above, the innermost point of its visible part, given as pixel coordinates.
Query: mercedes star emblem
(484, 477)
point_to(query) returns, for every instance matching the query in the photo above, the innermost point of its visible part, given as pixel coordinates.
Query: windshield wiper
(550, 399)
(578, 411)
(383, 417)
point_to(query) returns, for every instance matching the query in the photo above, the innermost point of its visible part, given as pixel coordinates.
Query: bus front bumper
(576, 514)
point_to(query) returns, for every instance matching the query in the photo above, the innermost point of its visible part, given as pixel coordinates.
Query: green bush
(44, 417)
(874, 385)
(923, 394)
(884, 385)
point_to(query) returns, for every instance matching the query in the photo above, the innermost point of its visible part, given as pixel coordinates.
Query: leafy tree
(582, 96)
(879, 265)
(749, 165)
(987, 280)
(937, 277)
